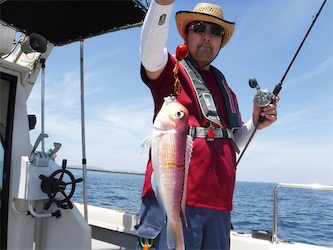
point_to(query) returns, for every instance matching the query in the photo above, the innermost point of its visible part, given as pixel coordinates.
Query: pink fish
(171, 150)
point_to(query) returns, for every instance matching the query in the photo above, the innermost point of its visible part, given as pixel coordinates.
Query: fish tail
(175, 236)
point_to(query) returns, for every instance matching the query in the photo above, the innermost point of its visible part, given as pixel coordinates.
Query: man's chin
(205, 58)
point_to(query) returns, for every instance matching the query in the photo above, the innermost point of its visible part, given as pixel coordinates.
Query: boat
(36, 207)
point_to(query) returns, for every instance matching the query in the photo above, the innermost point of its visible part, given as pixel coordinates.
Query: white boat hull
(113, 229)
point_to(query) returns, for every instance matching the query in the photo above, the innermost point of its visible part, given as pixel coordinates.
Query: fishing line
(264, 95)
(181, 53)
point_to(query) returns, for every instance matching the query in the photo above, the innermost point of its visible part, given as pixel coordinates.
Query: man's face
(204, 42)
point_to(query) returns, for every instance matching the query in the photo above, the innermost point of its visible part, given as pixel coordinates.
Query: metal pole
(275, 214)
(43, 102)
(39, 207)
(39, 204)
(84, 160)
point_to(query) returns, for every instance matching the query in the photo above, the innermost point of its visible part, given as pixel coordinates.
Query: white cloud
(287, 161)
(113, 134)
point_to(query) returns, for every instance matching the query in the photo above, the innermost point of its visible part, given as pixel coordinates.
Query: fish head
(173, 115)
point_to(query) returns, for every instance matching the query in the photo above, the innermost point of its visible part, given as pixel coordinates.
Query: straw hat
(205, 12)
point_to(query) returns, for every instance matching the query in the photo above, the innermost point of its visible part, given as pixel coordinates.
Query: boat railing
(275, 203)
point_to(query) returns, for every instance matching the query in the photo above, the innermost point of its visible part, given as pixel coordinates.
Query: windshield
(4, 96)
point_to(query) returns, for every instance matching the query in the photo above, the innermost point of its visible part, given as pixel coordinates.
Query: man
(215, 122)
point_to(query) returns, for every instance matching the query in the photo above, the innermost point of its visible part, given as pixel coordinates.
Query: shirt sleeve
(163, 85)
(243, 134)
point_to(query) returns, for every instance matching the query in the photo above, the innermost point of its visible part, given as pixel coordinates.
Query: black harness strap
(206, 100)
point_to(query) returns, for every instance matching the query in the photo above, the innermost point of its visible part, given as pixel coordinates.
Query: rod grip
(276, 90)
(261, 119)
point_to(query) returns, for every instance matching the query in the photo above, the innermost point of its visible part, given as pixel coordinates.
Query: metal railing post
(275, 202)
(275, 214)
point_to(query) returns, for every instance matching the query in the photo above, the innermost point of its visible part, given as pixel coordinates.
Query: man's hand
(165, 2)
(269, 112)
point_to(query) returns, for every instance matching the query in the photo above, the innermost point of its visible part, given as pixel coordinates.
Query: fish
(171, 149)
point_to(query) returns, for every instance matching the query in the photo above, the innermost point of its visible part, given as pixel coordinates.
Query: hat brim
(183, 18)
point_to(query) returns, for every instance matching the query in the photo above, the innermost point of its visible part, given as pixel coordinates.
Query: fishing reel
(263, 97)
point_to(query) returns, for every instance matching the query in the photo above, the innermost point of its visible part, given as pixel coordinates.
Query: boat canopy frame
(64, 22)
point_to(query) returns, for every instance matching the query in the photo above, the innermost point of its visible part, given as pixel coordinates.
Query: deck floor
(100, 245)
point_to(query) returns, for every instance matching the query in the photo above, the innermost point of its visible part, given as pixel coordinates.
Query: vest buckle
(210, 134)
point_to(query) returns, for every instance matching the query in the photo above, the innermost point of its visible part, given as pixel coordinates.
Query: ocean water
(303, 215)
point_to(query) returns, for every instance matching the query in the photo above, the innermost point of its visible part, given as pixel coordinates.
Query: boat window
(4, 96)
(8, 84)
(1, 165)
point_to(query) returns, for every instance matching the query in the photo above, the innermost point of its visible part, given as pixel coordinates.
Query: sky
(298, 148)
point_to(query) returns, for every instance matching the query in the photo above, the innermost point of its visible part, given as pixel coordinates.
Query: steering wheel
(52, 185)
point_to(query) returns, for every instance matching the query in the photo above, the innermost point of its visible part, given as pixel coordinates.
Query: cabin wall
(26, 231)
(70, 231)
(20, 226)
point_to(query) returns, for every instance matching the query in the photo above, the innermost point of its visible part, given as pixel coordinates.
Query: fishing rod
(263, 97)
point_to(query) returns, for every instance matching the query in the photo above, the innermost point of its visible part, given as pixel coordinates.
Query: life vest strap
(211, 133)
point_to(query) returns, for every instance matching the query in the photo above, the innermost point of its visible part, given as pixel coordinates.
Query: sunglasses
(201, 28)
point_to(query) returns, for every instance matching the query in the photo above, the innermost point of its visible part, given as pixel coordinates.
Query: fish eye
(179, 114)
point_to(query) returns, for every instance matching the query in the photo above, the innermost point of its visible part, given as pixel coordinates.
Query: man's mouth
(204, 46)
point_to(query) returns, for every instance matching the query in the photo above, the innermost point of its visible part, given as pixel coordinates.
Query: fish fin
(189, 147)
(188, 154)
(147, 142)
(175, 236)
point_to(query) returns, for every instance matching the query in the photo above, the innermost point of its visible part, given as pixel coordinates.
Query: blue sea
(303, 215)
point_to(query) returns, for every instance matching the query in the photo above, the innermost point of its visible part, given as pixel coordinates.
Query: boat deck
(100, 245)
(115, 230)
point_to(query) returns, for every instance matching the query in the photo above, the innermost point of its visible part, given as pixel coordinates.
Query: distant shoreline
(109, 171)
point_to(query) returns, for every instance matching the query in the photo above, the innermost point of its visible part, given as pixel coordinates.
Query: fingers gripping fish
(171, 150)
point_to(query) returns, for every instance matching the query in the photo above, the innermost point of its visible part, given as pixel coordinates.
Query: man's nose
(207, 36)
